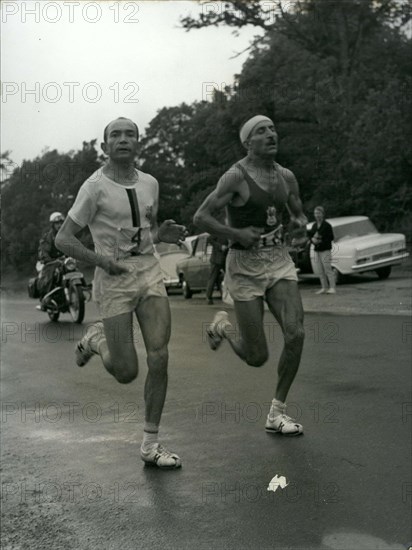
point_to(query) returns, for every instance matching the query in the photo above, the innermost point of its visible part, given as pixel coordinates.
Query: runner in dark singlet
(259, 195)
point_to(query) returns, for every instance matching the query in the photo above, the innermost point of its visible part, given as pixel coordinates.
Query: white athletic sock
(150, 436)
(98, 339)
(277, 408)
(95, 344)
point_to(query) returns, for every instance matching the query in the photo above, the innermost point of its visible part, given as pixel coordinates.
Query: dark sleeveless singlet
(262, 209)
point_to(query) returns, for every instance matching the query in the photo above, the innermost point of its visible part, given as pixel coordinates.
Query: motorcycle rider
(47, 253)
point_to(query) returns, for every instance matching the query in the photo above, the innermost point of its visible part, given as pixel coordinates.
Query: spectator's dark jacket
(325, 232)
(219, 250)
(47, 249)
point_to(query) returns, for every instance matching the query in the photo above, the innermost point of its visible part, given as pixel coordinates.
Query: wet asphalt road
(72, 476)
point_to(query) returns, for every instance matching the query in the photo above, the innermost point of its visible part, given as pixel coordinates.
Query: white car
(358, 248)
(169, 255)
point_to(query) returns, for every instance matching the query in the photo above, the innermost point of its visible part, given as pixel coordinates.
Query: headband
(249, 125)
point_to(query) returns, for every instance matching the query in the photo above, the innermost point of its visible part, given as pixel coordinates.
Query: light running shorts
(250, 273)
(116, 294)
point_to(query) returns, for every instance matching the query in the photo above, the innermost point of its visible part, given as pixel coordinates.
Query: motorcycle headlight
(70, 264)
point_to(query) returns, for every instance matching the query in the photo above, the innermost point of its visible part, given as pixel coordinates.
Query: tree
(35, 189)
(162, 154)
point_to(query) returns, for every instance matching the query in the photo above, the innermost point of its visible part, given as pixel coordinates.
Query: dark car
(169, 255)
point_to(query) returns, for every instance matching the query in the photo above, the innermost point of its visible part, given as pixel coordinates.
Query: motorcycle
(69, 293)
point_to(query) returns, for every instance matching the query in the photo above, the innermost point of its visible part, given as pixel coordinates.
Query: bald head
(106, 130)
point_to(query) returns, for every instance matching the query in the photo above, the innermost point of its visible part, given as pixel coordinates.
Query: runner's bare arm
(205, 216)
(294, 201)
(67, 242)
(298, 219)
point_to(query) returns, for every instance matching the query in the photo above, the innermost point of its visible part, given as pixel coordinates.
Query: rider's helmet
(56, 217)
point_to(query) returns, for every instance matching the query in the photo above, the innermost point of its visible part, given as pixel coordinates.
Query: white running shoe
(321, 291)
(83, 348)
(279, 422)
(160, 457)
(331, 291)
(215, 329)
(283, 424)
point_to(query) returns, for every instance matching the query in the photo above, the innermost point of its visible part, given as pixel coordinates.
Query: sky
(68, 68)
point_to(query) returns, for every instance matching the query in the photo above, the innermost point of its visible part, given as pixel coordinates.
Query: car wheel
(339, 278)
(187, 292)
(384, 272)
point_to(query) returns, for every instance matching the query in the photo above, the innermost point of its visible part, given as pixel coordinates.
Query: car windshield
(354, 229)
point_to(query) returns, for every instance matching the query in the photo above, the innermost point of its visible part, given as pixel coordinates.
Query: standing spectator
(321, 235)
(217, 264)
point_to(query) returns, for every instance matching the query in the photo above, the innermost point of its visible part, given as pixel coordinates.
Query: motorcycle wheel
(76, 305)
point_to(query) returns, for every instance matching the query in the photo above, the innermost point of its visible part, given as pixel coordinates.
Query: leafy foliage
(36, 189)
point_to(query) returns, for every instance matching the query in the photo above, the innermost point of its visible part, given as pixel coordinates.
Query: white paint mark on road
(276, 482)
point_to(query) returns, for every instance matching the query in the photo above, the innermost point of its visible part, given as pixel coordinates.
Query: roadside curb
(348, 312)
